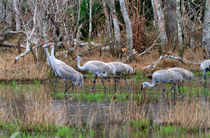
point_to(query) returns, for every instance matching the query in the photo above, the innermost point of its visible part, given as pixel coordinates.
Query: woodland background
(134, 31)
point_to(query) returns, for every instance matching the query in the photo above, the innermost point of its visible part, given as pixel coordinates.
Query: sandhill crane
(205, 67)
(186, 74)
(66, 72)
(45, 46)
(99, 68)
(120, 68)
(163, 76)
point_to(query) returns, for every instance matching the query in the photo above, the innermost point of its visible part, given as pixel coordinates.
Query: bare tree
(90, 19)
(179, 27)
(17, 14)
(116, 28)
(206, 28)
(129, 34)
(108, 27)
(171, 23)
(156, 4)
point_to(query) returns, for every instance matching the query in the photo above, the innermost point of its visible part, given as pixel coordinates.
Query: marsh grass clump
(187, 114)
(35, 112)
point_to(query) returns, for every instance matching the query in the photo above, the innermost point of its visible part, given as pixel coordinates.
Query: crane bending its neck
(154, 84)
(79, 66)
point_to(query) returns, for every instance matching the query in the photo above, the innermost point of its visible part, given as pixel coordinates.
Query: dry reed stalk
(41, 110)
(187, 114)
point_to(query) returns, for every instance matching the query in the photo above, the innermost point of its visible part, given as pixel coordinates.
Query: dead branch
(29, 37)
(148, 49)
(8, 45)
(26, 52)
(170, 57)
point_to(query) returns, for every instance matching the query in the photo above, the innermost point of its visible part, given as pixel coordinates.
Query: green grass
(141, 125)
(201, 74)
(139, 76)
(95, 96)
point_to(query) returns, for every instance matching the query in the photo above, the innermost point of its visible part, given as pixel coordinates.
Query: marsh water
(85, 107)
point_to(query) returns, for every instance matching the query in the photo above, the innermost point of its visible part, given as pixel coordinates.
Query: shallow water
(98, 112)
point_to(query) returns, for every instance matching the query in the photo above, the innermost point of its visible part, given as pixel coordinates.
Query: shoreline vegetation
(35, 111)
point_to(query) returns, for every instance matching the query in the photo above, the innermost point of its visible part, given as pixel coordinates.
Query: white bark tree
(179, 26)
(90, 20)
(129, 34)
(17, 14)
(116, 28)
(108, 26)
(206, 28)
(156, 4)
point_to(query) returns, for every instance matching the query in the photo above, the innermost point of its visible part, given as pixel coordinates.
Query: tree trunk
(206, 28)
(78, 15)
(108, 27)
(116, 29)
(129, 34)
(90, 20)
(156, 4)
(17, 15)
(179, 28)
(171, 23)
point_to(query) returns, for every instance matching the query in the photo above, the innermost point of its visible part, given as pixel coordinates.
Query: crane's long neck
(154, 84)
(52, 52)
(79, 66)
(48, 55)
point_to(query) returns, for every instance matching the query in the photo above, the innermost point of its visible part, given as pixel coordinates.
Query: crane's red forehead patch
(50, 45)
(43, 44)
(75, 57)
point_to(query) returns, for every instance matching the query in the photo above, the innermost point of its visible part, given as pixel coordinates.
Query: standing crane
(99, 68)
(66, 72)
(163, 76)
(186, 74)
(119, 69)
(45, 46)
(205, 67)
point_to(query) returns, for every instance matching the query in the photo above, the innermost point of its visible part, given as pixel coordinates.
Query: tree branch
(170, 57)
(154, 43)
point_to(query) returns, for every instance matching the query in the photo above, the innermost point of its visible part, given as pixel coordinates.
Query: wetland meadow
(38, 109)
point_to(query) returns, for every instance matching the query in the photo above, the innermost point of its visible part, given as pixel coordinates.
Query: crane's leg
(69, 88)
(72, 87)
(174, 91)
(115, 83)
(125, 80)
(94, 82)
(204, 75)
(164, 90)
(179, 90)
(103, 84)
(56, 80)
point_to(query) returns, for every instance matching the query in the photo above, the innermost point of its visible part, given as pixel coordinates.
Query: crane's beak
(141, 89)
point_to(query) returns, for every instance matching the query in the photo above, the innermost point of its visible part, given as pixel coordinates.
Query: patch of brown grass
(188, 114)
(26, 68)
